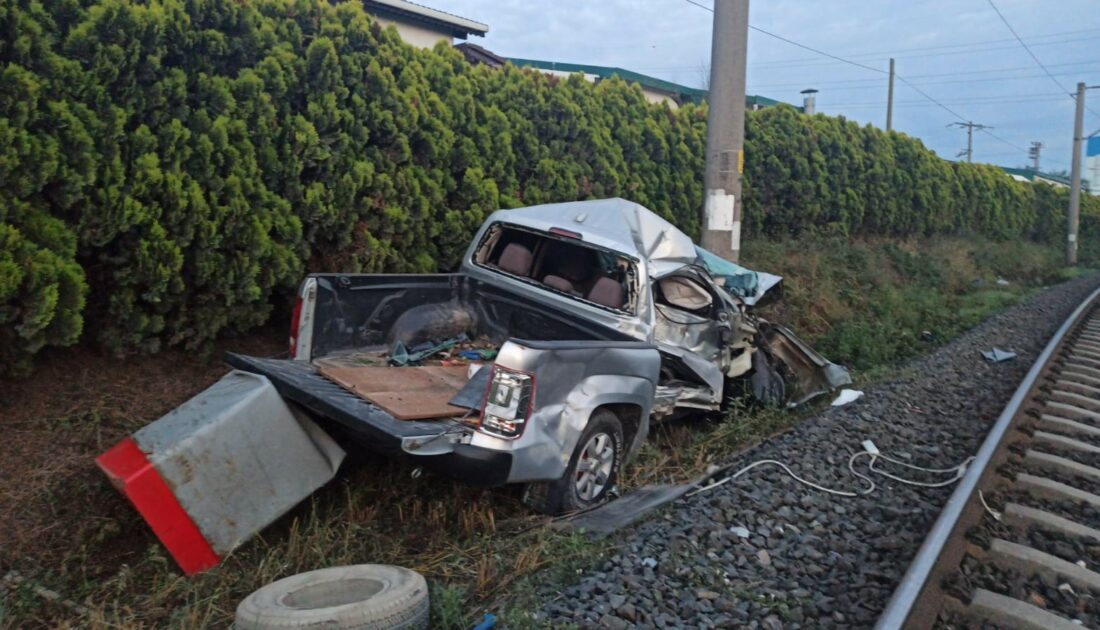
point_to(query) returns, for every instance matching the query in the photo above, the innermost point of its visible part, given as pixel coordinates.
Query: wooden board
(406, 393)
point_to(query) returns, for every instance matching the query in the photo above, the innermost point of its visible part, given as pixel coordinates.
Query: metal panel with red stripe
(220, 467)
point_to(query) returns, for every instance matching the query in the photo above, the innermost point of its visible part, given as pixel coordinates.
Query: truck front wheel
(592, 472)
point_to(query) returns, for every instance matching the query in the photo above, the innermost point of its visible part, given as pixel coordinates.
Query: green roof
(1029, 175)
(604, 72)
(686, 94)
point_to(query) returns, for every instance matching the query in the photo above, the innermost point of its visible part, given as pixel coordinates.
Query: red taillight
(295, 318)
(509, 399)
(566, 233)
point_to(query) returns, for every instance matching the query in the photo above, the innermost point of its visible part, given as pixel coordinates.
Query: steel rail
(905, 596)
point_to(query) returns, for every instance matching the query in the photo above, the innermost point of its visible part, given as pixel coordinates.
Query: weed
(448, 607)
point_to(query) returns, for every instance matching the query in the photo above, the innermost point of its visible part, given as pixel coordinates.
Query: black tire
(568, 493)
(373, 596)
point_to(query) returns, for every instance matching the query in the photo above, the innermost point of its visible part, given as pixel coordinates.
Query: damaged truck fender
(571, 380)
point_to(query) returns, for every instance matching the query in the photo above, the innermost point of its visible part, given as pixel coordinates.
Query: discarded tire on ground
(374, 596)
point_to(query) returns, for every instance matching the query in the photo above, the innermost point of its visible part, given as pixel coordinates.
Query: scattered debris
(487, 622)
(847, 396)
(624, 511)
(401, 355)
(649, 562)
(996, 355)
(741, 532)
(1001, 282)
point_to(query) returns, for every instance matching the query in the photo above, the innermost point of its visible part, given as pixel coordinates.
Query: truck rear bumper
(471, 465)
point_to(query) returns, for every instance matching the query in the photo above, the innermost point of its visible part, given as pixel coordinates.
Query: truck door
(691, 323)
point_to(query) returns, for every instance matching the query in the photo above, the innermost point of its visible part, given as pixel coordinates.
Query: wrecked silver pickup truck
(602, 317)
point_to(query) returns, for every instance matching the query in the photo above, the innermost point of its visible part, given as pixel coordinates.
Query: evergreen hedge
(179, 163)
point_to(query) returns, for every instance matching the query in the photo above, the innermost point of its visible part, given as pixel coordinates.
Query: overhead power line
(1032, 54)
(927, 96)
(971, 126)
(876, 84)
(800, 45)
(945, 53)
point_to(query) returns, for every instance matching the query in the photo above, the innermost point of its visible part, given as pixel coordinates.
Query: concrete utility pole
(890, 99)
(970, 127)
(1033, 153)
(1075, 179)
(726, 129)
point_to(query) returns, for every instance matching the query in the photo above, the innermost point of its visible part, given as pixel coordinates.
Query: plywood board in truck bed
(406, 393)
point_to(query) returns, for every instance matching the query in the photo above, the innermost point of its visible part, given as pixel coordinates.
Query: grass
(869, 304)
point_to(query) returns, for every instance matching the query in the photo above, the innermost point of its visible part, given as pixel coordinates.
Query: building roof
(477, 54)
(604, 72)
(458, 26)
(685, 93)
(1030, 175)
(763, 101)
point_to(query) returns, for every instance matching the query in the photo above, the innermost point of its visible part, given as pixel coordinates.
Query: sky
(959, 52)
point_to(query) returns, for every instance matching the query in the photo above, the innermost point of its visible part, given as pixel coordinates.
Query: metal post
(890, 99)
(1075, 179)
(726, 129)
(1033, 153)
(970, 127)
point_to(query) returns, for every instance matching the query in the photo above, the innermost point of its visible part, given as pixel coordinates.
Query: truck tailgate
(300, 382)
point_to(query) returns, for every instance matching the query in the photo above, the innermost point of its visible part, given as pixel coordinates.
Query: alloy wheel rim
(594, 466)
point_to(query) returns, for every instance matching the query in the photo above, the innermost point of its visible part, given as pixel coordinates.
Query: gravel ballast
(814, 560)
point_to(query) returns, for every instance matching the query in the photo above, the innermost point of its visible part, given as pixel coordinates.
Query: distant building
(1092, 161)
(754, 102)
(423, 26)
(478, 55)
(655, 90)
(1029, 175)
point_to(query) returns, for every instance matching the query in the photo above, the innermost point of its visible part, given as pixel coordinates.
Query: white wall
(653, 96)
(416, 34)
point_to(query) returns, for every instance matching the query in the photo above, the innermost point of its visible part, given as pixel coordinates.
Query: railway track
(1018, 543)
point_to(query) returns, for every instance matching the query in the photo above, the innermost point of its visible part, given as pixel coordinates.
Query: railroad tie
(1078, 400)
(1031, 561)
(1043, 487)
(1013, 613)
(1065, 442)
(1072, 411)
(1017, 515)
(1071, 427)
(1062, 464)
(1084, 385)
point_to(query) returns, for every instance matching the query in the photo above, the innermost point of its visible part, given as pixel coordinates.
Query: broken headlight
(508, 402)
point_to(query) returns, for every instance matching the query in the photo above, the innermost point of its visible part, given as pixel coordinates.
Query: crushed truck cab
(603, 318)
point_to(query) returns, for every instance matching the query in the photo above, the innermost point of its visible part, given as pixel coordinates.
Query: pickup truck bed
(299, 382)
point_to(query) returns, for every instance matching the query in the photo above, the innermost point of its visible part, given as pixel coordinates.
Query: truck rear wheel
(592, 472)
